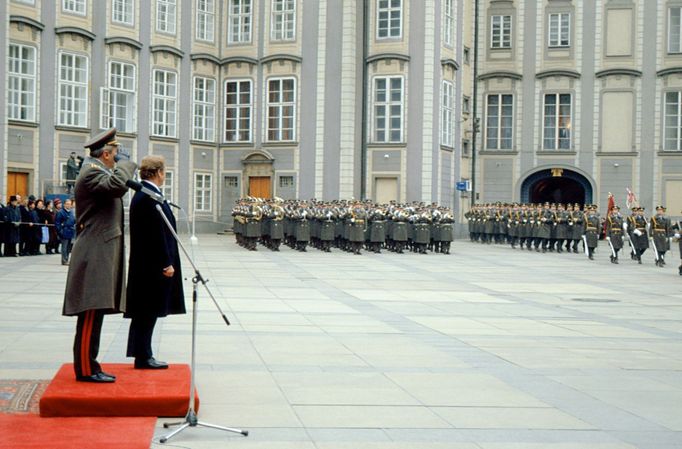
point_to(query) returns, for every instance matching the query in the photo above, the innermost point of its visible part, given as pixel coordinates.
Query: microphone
(139, 187)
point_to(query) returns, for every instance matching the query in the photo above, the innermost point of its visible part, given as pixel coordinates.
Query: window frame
(209, 18)
(171, 9)
(22, 77)
(238, 106)
(106, 95)
(84, 4)
(242, 17)
(557, 117)
(449, 23)
(678, 127)
(85, 85)
(499, 127)
(679, 31)
(447, 115)
(389, 9)
(207, 192)
(501, 45)
(283, 13)
(281, 105)
(205, 105)
(123, 4)
(558, 42)
(164, 99)
(387, 105)
(168, 185)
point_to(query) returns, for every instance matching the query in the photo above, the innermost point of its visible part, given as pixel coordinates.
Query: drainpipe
(475, 123)
(363, 132)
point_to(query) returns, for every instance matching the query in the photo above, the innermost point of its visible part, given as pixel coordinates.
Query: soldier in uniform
(399, 229)
(578, 227)
(356, 231)
(377, 229)
(614, 232)
(563, 216)
(95, 284)
(661, 231)
(592, 226)
(327, 226)
(639, 237)
(546, 218)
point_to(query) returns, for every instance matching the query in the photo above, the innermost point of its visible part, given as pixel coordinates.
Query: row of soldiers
(548, 227)
(346, 225)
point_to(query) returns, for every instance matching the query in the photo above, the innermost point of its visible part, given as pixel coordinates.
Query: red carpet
(34, 432)
(135, 393)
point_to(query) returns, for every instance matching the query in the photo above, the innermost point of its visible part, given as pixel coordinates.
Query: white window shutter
(104, 108)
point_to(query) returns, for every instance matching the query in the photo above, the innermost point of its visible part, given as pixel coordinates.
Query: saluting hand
(169, 271)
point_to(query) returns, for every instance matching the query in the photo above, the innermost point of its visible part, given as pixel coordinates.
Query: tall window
(283, 26)
(388, 109)
(204, 109)
(122, 11)
(74, 6)
(118, 100)
(239, 22)
(202, 192)
(674, 26)
(447, 114)
(73, 90)
(499, 121)
(164, 103)
(560, 29)
(21, 98)
(673, 120)
(238, 108)
(389, 19)
(557, 122)
(167, 187)
(449, 22)
(281, 109)
(165, 16)
(500, 31)
(205, 20)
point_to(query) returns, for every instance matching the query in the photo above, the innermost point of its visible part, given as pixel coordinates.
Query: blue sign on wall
(463, 186)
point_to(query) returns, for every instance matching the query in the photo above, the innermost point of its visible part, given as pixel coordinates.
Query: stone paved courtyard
(488, 348)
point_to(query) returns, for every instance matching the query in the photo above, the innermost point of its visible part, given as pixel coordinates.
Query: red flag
(611, 205)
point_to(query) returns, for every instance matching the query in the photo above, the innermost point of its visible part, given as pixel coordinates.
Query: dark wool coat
(96, 278)
(152, 248)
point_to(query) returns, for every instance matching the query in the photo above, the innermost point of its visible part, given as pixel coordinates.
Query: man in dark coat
(661, 231)
(95, 285)
(154, 275)
(12, 230)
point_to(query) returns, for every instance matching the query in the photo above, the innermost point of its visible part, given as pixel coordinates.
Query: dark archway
(556, 186)
(557, 190)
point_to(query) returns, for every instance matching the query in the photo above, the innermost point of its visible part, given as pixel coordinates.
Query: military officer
(614, 233)
(661, 230)
(639, 237)
(592, 226)
(95, 284)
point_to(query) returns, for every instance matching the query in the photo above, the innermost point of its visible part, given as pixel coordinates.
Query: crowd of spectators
(28, 224)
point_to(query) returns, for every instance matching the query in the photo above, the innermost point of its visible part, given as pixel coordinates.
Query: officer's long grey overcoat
(96, 278)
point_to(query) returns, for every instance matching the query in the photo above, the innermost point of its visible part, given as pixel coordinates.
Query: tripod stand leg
(175, 432)
(228, 429)
(171, 424)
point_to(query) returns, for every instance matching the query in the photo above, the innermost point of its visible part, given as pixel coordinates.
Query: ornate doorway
(556, 185)
(258, 173)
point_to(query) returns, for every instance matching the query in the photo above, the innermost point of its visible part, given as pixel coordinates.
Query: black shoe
(150, 363)
(591, 257)
(108, 375)
(97, 378)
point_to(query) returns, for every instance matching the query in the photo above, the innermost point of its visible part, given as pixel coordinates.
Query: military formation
(347, 225)
(562, 228)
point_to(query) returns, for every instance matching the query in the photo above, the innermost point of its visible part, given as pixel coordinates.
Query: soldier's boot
(612, 259)
(662, 258)
(679, 270)
(446, 249)
(590, 253)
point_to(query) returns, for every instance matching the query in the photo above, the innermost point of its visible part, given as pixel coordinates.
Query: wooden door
(17, 183)
(259, 186)
(386, 190)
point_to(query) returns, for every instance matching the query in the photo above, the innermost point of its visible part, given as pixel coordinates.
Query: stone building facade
(288, 98)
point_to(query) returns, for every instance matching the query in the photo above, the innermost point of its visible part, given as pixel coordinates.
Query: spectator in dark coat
(65, 224)
(12, 231)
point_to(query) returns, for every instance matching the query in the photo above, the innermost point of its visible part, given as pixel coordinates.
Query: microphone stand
(191, 419)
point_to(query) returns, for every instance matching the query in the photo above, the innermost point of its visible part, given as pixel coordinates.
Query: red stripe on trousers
(85, 343)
